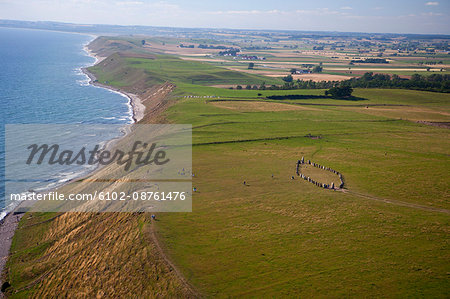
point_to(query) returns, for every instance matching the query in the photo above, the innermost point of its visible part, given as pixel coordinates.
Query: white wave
(8, 209)
(84, 82)
(3, 215)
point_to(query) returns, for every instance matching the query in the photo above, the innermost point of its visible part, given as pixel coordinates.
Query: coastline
(136, 108)
(10, 221)
(8, 226)
(135, 102)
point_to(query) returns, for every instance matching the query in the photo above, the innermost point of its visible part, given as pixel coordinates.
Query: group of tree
(430, 62)
(288, 78)
(433, 82)
(317, 69)
(257, 48)
(295, 84)
(253, 87)
(340, 92)
(187, 46)
(370, 60)
(201, 46)
(230, 52)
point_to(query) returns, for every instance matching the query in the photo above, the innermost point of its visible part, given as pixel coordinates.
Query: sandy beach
(135, 102)
(92, 54)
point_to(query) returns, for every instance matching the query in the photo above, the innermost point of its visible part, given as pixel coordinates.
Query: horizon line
(214, 28)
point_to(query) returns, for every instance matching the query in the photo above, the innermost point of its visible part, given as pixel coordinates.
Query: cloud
(318, 12)
(432, 14)
(182, 14)
(122, 3)
(246, 12)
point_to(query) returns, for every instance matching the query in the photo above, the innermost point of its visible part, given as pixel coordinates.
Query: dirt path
(7, 228)
(191, 292)
(445, 125)
(397, 202)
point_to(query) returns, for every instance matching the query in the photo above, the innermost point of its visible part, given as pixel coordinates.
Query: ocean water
(41, 83)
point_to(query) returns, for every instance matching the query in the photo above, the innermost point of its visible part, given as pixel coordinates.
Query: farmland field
(277, 236)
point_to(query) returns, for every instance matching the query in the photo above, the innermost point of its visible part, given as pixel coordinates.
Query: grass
(283, 237)
(342, 126)
(320, 175)
(116, 71)
(273, 236)
(280, 237)
(74, 253)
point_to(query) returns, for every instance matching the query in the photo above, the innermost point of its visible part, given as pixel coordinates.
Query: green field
(385, 235)
(117, 70)
(279, 236)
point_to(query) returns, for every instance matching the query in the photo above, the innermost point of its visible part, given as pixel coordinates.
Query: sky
(382, 16)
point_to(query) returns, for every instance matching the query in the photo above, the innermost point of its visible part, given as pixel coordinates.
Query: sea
(41, 82)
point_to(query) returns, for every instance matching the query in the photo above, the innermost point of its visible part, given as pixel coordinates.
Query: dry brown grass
(176, 50)
(264, 72)
(413, 113)
(102, 255)
(254, 106)
(320, 77)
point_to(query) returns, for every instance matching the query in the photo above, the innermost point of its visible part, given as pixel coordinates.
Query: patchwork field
(276, 58)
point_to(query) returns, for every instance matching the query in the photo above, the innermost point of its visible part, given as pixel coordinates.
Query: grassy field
(277, 236)
(386, 235)
(117, 70)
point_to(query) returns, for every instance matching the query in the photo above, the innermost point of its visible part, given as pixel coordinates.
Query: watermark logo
(97, 156)
(99, 168)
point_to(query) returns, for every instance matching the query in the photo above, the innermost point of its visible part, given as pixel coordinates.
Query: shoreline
(137, 109)
(8, 227)
(10, 221)
(134, 101)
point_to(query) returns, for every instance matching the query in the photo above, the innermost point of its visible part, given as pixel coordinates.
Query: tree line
(434, 82)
